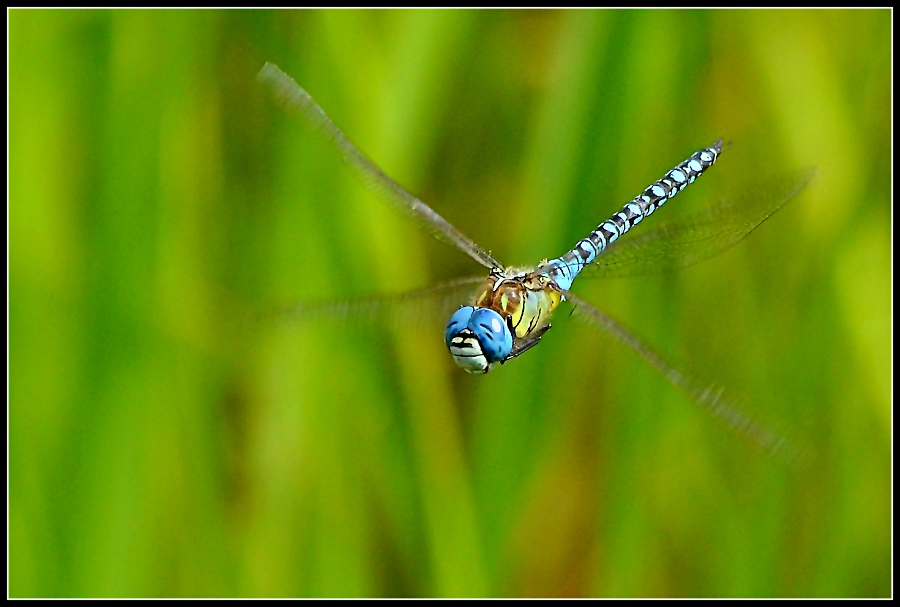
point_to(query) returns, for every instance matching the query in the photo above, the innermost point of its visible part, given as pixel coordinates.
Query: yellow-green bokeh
(164, 441)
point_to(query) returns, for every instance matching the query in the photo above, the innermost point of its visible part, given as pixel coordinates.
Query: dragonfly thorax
(527, 298)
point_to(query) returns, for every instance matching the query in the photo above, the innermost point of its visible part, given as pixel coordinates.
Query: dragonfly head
(477, 338)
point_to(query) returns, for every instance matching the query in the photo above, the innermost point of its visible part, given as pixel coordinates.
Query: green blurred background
(165, 442)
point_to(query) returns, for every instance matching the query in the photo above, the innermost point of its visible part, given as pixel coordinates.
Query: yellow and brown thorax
(526, 298)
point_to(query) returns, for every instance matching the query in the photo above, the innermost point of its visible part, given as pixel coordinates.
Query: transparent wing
(298, 102)
(678, 244)
(416, 309)
(708, 397)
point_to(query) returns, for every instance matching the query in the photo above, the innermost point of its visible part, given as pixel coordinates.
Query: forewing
(296, 101)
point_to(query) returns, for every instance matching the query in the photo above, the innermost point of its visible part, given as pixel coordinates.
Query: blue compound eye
(458, 322)
(492, 333)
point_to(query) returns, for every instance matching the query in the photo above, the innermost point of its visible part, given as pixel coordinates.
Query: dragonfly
(508, 313)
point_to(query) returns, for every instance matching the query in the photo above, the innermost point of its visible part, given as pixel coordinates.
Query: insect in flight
(511, 309)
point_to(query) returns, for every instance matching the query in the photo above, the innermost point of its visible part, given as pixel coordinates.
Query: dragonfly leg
(529, 343)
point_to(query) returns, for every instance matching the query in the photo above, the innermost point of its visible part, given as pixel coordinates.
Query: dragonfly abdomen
(564, 269)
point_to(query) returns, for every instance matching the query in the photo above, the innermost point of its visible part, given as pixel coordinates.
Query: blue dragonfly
(508, 313)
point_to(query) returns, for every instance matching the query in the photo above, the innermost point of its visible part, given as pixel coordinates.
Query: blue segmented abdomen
(567, 267)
